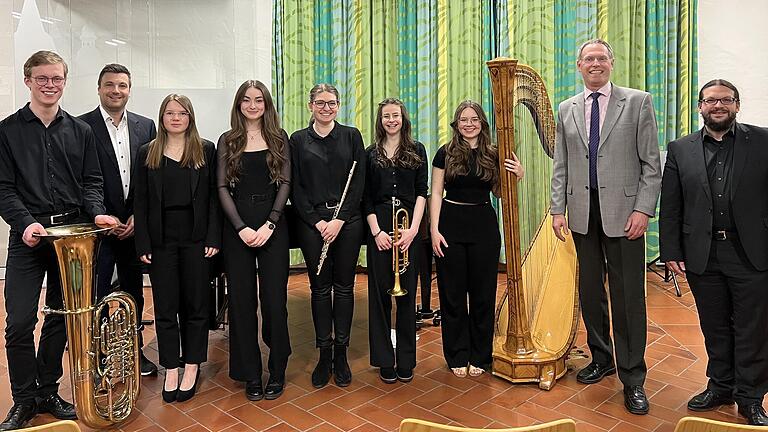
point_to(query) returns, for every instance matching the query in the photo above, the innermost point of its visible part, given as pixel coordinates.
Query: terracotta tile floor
(675, 356)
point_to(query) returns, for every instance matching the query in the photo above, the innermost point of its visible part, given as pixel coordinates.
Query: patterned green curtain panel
(432, 54)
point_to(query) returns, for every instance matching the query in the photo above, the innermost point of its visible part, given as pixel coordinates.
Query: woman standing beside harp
(396, 180)
(466, 239)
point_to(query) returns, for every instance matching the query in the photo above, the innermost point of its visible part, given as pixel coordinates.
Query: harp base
(539, 367)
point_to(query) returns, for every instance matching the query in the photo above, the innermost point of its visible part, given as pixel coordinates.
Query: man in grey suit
(607, 174)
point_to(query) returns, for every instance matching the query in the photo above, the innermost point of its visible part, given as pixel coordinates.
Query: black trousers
(624, 262)
(466, 282)
(129, 272)
(257, 275)
(180, 283)
(381, 279)
(733, 314)
(333, 298)
(32, 373)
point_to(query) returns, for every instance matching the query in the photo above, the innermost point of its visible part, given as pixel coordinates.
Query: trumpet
(400, 262)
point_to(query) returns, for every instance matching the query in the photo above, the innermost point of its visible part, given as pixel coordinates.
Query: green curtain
(432, 54)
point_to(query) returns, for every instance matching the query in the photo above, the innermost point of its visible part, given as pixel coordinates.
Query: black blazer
(148, 203)
(685, 219)
(141, 130)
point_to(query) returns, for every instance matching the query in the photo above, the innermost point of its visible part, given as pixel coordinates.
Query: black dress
(405, 184)
(250, 202)
(469, 268)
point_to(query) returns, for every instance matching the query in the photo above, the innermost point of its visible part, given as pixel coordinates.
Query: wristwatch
(270, 225)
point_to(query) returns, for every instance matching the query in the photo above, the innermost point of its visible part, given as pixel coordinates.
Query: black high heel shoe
(170, 396)
(185, 395)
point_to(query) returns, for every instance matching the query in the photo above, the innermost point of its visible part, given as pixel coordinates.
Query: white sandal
(460, 372)
(475, 371)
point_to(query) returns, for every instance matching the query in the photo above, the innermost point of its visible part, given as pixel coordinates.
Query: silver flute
(326, 244)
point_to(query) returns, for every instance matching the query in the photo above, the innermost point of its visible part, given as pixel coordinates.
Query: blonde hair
(193, 156)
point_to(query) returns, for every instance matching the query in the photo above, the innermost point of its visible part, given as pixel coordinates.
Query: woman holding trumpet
(395, 194)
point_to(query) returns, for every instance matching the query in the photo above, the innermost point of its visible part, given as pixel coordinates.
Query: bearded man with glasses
(713, 229)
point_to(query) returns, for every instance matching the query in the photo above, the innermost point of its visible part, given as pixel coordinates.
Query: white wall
(732, 40)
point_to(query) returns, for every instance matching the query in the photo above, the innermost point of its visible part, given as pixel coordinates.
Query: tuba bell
(400, 221)
(103, 350)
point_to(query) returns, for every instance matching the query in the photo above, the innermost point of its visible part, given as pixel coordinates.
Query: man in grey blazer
(607, 175)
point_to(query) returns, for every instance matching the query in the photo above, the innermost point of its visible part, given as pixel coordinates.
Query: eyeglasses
(43, 80)
(714, 101)
(600, 59)
(472, 120)
(321, 104)
(171, 114)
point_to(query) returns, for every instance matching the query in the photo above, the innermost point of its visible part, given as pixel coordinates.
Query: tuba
(102, 338)
(400, 262)
(537, 318)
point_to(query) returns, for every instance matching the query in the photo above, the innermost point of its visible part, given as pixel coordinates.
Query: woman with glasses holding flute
(395, 192)
(328, 175)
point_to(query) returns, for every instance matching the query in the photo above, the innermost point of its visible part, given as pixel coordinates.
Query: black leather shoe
(341, 373)
(322, 373)
(708, 400)
(19, 415)
(185, 395)
(253, 390)
(274, 389)
(147, 367)
(635, 400)
(404, 375)
(57, 407)
(755, 414)
(388, 375)
(593, 373)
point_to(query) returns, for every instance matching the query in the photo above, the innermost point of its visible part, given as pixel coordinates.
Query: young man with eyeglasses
(713, 229)
(607, 174)
(119, 133)
(49, 175)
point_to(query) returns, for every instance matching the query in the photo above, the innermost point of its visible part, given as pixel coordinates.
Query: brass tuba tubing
(103, 365)
(400, 262)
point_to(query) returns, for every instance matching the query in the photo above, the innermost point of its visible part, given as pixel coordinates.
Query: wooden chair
(414, 425)
(697, 424)
(58, 426)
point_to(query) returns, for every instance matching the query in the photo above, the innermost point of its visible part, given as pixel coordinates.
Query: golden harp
(537, 317)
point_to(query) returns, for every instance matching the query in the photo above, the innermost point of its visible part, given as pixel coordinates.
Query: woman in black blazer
(178, 226)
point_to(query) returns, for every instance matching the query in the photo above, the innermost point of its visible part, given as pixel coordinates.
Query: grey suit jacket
(628, 166)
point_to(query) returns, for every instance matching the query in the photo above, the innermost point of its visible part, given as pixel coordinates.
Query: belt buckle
(54, 217)
(721, 235)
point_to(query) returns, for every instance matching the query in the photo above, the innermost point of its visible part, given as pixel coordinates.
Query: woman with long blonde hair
(178, 227)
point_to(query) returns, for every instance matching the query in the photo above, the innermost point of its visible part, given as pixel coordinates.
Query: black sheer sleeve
(369, 197)
(227, 203)
(284, 187)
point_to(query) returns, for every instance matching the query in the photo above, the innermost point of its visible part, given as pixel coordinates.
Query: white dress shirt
(122, 146)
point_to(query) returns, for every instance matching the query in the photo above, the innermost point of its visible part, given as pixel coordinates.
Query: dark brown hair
(193, 156)
(114, 68)
(719, 82)
(405, 156)
(457, 151)
(236, 138)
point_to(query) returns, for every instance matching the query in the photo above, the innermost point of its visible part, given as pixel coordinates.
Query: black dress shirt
(320, 170)
(47, 170)
(383, 183)
(719, 158)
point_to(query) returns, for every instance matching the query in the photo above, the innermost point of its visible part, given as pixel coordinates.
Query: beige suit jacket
(628, 166)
